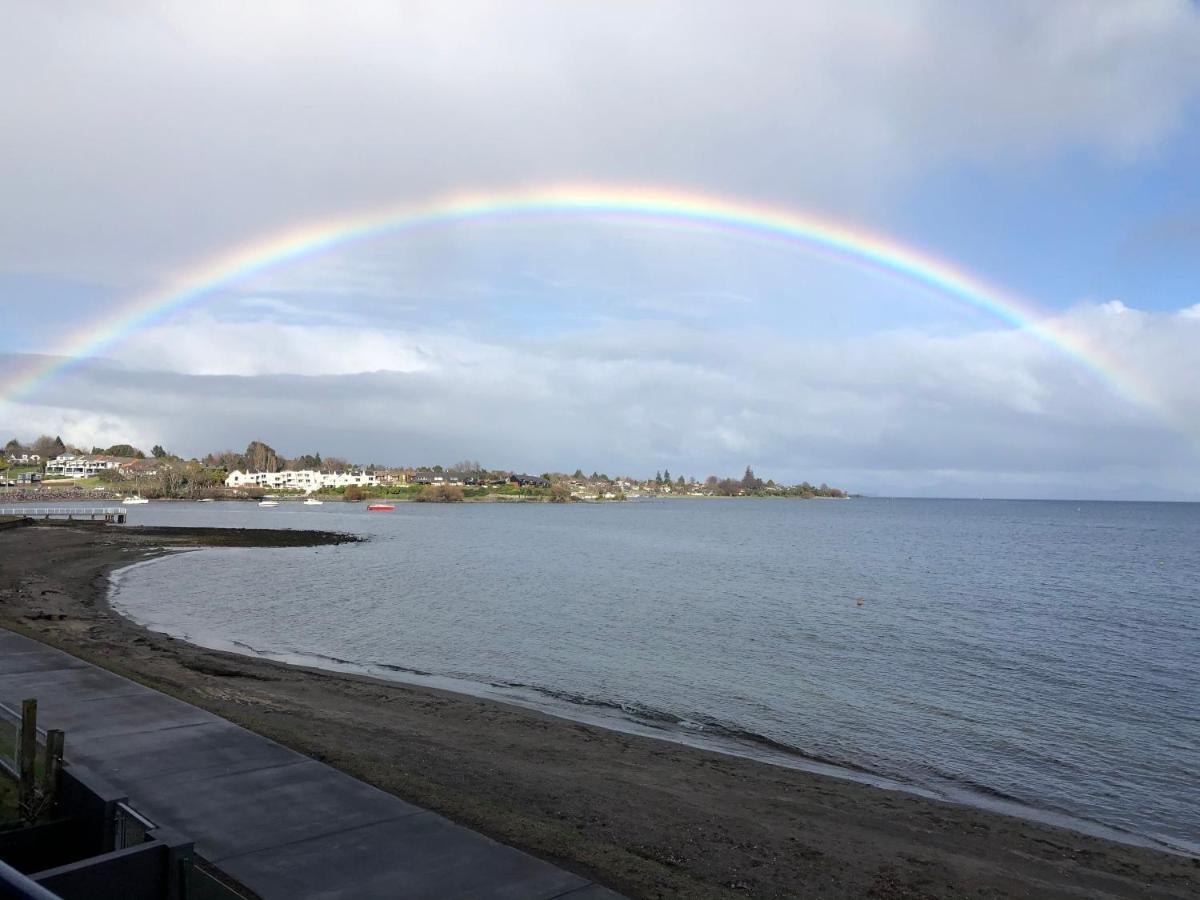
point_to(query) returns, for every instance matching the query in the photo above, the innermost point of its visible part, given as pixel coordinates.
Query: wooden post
(26, 799)
(53, 768)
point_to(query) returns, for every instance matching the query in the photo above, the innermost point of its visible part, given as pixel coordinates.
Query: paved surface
(284, 825)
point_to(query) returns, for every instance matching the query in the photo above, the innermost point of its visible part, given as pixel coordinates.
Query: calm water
(1037, 657)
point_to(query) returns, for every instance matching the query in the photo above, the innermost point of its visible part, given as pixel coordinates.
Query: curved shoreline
(649, 817)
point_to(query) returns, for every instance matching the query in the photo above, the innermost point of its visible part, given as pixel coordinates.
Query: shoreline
(647, 816)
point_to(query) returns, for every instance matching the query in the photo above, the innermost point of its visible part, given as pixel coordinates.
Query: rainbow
(820, 235)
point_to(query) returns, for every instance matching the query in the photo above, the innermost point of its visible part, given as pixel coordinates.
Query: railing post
(52, 768)
(26, 795)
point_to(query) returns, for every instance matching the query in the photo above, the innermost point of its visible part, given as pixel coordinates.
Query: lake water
(1035, 657)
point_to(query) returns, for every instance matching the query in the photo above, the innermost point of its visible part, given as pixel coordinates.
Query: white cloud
(141, 138)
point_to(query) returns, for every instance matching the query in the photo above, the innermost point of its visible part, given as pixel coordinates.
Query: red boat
(380, 507)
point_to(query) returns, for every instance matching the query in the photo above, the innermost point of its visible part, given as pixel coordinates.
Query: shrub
(441, 493)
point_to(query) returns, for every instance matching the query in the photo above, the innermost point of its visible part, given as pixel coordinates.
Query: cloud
(140, 139)
(985, 412)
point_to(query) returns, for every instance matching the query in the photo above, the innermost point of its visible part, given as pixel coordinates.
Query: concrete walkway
(284, 825)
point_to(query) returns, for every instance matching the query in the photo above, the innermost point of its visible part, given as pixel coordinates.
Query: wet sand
(646, 817)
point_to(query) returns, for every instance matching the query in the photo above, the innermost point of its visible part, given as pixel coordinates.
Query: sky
(1051, 150)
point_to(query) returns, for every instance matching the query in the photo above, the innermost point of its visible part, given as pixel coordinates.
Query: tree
(749, 481)
(47, 447)
(262, 458)
(728, 487)
(335, 464)
(466, 466)
(560, 493)
(666, 476)
(14, 444)
(679, 481)
(158, 452)
(125, 450)
(578, 474)
(658, 477)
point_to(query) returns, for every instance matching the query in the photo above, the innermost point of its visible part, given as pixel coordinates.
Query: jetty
(113, 514)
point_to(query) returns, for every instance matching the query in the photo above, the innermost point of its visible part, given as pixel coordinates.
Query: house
(428, 478)
(299, 479)
(528, 481)
(141, 468)
(69, 465)
(24, 459)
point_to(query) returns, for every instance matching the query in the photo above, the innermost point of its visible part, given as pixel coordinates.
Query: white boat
(135, 500)
(268, 503)
(313, 501)
(205, 500)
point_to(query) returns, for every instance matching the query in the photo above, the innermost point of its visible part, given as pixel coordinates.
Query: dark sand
(649, 818)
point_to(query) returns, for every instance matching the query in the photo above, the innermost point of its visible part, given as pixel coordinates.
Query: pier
(113, 514)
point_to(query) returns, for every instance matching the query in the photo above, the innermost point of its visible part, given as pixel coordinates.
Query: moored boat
(313, 501)
(135, 500)
(268, 503)
(380, 507)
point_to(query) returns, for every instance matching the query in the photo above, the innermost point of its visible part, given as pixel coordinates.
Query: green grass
(8, 801)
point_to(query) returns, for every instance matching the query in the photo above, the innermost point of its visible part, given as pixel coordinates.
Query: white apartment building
(71, 466)
(299, 479)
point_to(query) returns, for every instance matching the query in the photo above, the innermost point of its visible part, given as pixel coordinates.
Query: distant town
(48, 468)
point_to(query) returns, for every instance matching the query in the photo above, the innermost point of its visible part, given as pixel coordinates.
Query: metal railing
(62, 510)
(131, 827)
(21, 887)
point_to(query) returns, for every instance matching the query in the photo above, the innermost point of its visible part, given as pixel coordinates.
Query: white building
(299, 479)
(70, 466)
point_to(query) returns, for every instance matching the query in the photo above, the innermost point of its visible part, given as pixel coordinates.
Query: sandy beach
(646, 817)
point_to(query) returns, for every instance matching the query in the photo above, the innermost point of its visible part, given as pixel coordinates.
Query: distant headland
(48, 465)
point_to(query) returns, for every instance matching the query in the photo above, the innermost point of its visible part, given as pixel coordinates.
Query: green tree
(158, 452)
(666, 476)
(125, 450)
